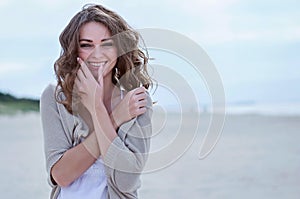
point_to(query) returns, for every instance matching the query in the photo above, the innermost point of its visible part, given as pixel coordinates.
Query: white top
(91, 184)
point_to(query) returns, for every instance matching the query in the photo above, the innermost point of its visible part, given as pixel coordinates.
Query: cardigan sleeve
(127, 155)
(56, 138)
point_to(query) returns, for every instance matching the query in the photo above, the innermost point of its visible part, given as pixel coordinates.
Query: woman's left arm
(124, 154)
(127, 155)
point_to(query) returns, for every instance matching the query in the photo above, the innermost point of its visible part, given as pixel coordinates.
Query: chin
(96, 76)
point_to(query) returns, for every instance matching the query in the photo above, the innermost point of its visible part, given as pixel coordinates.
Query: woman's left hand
(89, 90)
(132, 105)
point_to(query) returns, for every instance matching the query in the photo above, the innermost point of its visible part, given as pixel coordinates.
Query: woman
(97, 120)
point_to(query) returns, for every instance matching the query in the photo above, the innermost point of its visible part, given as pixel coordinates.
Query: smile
(97, 64)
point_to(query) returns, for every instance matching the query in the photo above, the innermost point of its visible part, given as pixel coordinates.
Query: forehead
(94, 31)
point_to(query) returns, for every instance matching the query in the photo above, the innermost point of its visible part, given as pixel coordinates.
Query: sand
(256, 157)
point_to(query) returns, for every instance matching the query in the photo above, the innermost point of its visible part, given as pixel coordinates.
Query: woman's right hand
(132, 105)
(89, 90)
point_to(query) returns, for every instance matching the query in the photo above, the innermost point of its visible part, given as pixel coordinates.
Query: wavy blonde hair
(131, 63)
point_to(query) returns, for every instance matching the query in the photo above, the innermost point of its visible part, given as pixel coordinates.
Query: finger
(84, 68)
(77, 85)
(139, 90)
(104, 71)
(142, 103)
(140, 96)
(141, 111)
(80, 75)
(79, 60)
(100, 75)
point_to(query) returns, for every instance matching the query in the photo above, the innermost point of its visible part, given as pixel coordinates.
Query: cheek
(114, 54)
(83, 55)
(113, 58)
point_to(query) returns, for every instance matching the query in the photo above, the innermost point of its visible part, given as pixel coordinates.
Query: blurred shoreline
(256, 155)
(11, 105)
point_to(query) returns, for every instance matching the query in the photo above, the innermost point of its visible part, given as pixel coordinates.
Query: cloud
(24, 78)
(204, 7)
(275, 34)
(35, 19)
(8, 68)
(217, 22)
(4, 3)
(211, 22)
(52, 3)
(19, 68)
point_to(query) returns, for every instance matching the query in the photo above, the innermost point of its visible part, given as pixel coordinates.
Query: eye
(85, 45)
(107, 44)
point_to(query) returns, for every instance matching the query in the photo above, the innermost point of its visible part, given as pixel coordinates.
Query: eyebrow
(88, 40)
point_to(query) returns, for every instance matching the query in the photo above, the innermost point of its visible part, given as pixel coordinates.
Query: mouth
(97, 65)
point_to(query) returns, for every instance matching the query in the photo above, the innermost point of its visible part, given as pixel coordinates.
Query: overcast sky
(254, 44)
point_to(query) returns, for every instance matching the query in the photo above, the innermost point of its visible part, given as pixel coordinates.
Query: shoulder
(48, 92)
(50, 95)
(48, 101)
(47, 95)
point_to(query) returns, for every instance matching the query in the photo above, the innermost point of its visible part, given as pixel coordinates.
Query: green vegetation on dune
(11, 105)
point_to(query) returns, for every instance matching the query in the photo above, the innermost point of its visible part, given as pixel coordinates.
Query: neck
(109, 93)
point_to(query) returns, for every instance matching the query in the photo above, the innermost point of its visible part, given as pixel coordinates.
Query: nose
(97, 51)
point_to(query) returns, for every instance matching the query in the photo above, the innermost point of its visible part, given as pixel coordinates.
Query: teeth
(98, 64)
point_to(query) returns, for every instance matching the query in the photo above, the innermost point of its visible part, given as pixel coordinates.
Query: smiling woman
(97, 120)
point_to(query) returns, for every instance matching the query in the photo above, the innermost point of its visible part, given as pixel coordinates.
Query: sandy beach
(256, 157)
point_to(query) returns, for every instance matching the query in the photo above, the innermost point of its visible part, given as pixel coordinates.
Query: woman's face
(97, 48)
